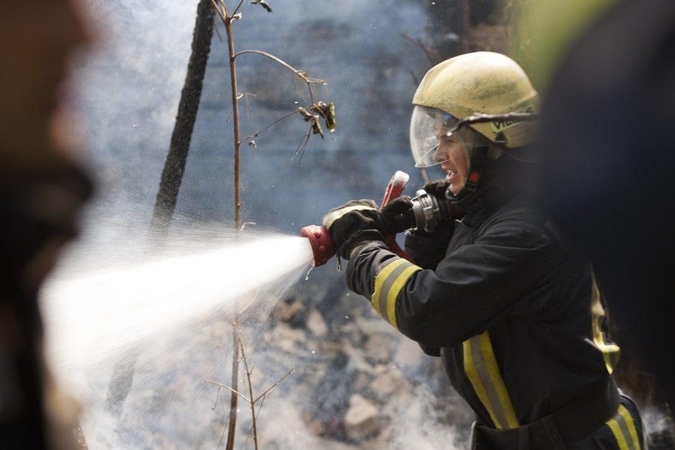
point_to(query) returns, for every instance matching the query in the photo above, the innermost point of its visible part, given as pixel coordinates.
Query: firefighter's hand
(398, 214)
(444, 229)
(437, 188)
(354, 223)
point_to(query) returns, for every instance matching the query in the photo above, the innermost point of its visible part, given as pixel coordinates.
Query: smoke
(129, 92)
(130, 89)
(659, 428)
(308, 409)
(431, 424)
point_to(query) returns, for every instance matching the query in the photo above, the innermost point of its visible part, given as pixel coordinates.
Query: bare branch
(274, 386)
(259, 132)
(303, 144)
(222, 402)
(234, 391)
(251, 137)
(300, 73)
(236, 10)
(432, 55)
(260, 407)
(327, 114)
(220, 37)
(313, 119)
(249, 371)
(220, 7)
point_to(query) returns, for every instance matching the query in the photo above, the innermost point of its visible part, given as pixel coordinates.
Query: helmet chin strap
(477, 163)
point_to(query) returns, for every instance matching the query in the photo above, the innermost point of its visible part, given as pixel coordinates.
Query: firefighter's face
(454, 160)
(37, 40)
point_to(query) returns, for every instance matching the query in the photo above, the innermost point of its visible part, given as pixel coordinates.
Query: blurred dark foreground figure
(41, 190)
(608, 176)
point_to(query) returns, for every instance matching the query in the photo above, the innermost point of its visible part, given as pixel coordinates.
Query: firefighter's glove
(354, 223)
(398, 214)
(437, 188)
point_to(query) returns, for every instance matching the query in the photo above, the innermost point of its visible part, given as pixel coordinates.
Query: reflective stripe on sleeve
(610, 351)
(480, 365)
(388, 284)
(331, 217)
(623, 428)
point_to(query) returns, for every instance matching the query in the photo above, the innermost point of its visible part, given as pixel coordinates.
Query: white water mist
(93, 314)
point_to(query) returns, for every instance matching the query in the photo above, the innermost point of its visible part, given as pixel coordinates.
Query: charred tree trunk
(174, 167)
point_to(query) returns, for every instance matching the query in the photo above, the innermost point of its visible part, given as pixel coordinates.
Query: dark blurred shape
(607, 175)
(481, 10)
(41, 191)
(463, 26)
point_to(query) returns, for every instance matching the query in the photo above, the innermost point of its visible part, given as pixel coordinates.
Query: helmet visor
(427, 127)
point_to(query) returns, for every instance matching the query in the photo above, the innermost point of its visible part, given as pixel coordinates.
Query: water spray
(426, 213)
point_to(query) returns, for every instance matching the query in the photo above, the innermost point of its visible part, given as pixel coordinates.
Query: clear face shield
(427, 126)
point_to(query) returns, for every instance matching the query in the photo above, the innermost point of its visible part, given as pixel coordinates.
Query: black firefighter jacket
(512, 310)
(37, 214)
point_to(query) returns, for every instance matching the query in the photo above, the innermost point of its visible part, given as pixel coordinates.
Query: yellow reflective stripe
(480, 365)
(623, 428)
(380, 278)
(331, 217)
(618, 434)
(610, 352)
(388, 284)
(630, 424)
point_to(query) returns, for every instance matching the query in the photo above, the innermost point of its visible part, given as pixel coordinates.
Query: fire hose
(426, 213)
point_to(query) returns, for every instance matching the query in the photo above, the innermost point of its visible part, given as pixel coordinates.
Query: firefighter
(512, 309)
(41, 190)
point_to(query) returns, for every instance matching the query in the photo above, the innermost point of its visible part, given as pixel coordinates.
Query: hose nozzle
(429, 211)
(322, 245)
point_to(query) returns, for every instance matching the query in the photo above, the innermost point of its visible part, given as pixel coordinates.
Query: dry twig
(255, 404)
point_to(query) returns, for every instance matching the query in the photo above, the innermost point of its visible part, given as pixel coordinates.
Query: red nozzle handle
(322, 246)
(394, 190)
(395, 187)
